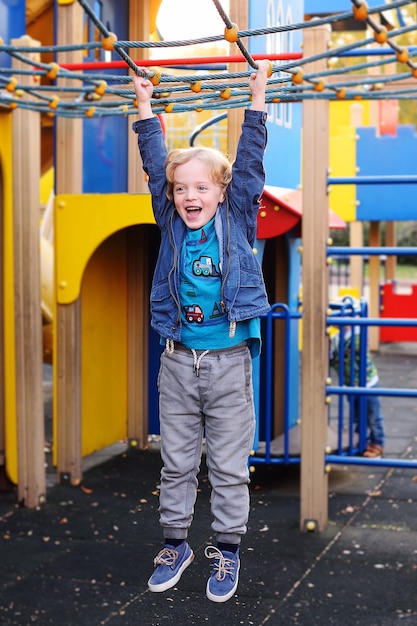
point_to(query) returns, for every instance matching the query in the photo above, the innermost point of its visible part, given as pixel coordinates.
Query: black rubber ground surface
(84, 558)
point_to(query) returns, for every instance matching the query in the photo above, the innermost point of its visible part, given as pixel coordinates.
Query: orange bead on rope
(100, 89)
(156, 78)
(11, 85)
(53, 104)
(360, 12)
(231, 34)
(319, 85)
(402, 55)
(107, 43)
(196, 87)
(53, 71)
(297, 78)
(381, 36)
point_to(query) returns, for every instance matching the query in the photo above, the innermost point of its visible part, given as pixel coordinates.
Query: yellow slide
(47, 264)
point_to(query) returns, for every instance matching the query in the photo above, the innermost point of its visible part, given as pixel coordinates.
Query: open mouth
(193, 209)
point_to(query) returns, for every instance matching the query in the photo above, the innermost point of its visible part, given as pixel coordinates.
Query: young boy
(206, 299)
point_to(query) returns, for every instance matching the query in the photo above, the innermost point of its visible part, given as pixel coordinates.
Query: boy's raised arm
(257, 85)
(143, 90)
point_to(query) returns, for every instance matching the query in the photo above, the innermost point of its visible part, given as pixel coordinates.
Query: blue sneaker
(224, 578)
(170, 564)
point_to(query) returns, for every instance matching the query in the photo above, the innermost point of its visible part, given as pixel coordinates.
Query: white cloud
(190, 19)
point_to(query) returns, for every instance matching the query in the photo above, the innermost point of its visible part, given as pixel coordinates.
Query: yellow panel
(342, 148)
(9, 328)
(341, 114)
(104, 341)
(153, 13)
(47, 185)
(47, 278)
(82, 223)
(349, 291)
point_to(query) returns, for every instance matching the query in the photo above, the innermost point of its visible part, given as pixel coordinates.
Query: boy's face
(196, 197)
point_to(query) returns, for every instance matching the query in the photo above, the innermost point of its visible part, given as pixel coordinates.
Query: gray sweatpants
(212, 391)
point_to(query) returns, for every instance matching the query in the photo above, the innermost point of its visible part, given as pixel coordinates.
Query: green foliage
(407, 112)
(340, 237)
(406, 237)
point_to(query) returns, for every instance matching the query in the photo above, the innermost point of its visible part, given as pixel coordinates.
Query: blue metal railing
(347, 314)
(347, 457)
(372, 250)
(386, 179)
(279, 311)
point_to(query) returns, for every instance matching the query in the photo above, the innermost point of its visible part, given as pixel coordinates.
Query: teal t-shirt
(204, 322)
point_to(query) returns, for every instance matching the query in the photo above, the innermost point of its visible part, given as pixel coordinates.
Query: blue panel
(283, 155)
(333, 6)
(293, 365)
(105, 155)
(317, 7)
(386, 155)
(105, 139)
(12, 24)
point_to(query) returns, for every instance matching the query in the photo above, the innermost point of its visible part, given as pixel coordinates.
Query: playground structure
(102, 273)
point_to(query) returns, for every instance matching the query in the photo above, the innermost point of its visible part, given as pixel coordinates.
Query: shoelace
(224, 566)
(166, 556)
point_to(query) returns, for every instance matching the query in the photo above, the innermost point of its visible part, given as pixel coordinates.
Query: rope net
(92, 90)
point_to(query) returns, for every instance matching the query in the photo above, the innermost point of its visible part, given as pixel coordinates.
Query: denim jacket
(243, 289)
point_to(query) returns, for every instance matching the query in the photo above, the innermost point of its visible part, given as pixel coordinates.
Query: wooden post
(314, 483)
(356, 261)
(390, 241)
(239, 14)
(137, 268)
(139, 27)
(356, 228)
(374, 279)
(27, 299)
(138, 335)
(68, 163)
(390, 226)
(375, 228)
(67, 353)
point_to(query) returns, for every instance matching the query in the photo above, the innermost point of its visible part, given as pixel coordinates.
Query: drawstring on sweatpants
(172, 346)
(197, 360)
(169, 345)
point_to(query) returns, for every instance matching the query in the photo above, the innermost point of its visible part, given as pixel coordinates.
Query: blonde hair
(218, 166)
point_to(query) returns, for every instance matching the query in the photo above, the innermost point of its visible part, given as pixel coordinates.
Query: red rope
(234, 58)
